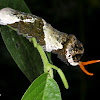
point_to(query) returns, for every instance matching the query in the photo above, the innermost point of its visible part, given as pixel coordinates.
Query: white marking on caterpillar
(29, 20)
(7, 17)
(70, 59)
(51, 42)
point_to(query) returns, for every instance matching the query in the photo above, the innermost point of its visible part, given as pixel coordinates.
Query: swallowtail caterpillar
(67, 47)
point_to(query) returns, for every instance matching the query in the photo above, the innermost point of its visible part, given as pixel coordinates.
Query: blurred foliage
(94, 3)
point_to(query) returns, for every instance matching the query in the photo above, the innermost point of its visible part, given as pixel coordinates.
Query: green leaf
(22, 51)
(43, 88)
(15, 4)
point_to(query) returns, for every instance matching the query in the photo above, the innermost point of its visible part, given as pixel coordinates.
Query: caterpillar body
(67, 47)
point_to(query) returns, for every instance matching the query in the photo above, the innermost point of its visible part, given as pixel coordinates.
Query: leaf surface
(22, 51)
(43, 88)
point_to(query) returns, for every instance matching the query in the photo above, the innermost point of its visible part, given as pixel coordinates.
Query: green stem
(48, 54)
(12, 28)
(62, 76)
(47, 67)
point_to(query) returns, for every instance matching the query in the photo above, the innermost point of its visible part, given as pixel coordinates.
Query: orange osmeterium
(82, 64)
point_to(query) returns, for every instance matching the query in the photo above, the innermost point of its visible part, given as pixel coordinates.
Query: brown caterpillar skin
(67, 47)
(30, 30)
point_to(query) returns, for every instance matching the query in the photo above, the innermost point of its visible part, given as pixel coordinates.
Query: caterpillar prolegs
(67, 47)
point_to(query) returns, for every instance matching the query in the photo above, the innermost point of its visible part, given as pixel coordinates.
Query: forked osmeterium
(67, 47)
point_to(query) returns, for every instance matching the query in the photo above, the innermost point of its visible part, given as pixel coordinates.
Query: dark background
(78, 17)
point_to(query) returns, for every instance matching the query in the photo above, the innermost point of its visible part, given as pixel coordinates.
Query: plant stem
(12, 28)
(62, 76)
(47, 66)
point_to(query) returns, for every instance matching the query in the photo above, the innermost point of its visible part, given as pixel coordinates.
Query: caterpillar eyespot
(67, 47)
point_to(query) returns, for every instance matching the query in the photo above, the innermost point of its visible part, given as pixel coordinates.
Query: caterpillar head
(73, 50)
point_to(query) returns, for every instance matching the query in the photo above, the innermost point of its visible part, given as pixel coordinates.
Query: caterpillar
(66, 46)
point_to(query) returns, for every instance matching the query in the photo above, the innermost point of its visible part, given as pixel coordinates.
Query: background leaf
(22, 51)
(43, 88)
(15, 4)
